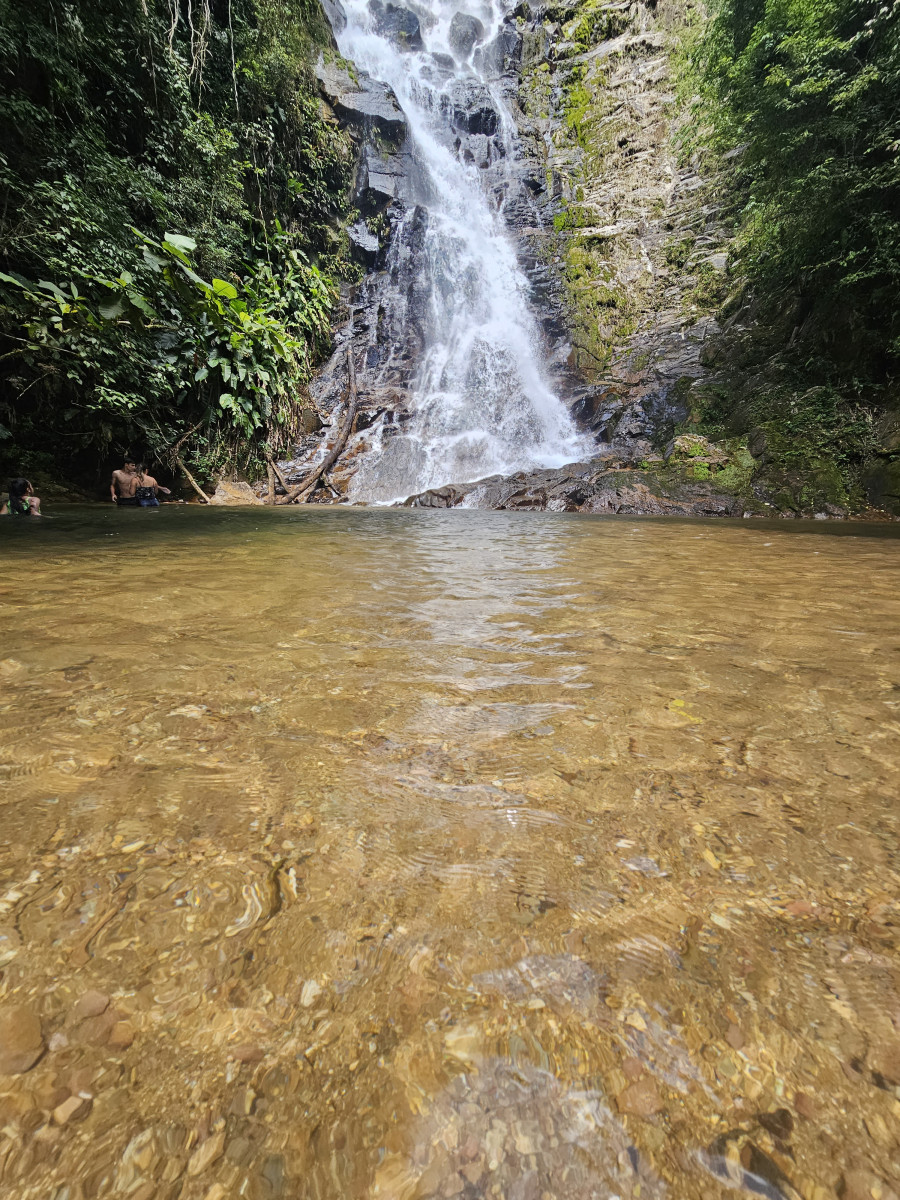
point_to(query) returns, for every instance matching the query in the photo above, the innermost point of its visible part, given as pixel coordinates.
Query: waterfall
(480, 400)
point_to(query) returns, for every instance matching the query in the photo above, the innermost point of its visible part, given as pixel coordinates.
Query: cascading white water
(481, 403)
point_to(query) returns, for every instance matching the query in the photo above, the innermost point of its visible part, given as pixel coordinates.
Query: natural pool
(416, 854)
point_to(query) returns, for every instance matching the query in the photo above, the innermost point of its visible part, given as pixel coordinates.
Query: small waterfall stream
(480, 399)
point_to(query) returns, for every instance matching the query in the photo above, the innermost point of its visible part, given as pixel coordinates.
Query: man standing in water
(123, 484)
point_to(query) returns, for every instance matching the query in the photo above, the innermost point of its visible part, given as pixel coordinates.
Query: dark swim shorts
(127, 501)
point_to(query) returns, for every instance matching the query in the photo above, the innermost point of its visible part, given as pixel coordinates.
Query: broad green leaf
(112, 309)
(185, 244)
(222, 288)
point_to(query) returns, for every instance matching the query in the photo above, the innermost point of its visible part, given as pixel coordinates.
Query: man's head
(129, 464)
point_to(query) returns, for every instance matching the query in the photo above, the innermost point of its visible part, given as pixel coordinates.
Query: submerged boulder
(465, 32)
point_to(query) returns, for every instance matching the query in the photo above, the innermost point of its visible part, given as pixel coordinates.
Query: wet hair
(129, 458)
(18, 488)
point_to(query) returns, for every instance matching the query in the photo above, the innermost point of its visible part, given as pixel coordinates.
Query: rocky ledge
(691, 478)
(600, 486)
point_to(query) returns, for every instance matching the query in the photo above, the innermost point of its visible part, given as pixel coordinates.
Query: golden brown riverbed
(420, 854)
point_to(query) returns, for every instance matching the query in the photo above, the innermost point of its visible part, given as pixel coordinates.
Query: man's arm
(112, 488)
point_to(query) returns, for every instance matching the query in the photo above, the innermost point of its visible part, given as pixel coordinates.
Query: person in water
(146, 488)
(123, 484)
(22, 501)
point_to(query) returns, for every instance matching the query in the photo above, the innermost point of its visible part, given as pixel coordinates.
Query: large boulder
(470, 107)
(399, 24)
(465, 32)
(501, 56)
(361, 101)
(232, 494)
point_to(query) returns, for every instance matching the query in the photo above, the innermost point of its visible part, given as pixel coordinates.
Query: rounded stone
(21, 1040)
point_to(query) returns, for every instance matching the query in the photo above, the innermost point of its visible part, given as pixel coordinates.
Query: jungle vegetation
(169, 234)
(805, 94)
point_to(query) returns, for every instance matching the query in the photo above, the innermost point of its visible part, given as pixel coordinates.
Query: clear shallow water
(420, 854)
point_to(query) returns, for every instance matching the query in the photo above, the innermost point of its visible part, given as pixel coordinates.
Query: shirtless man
(123, 484)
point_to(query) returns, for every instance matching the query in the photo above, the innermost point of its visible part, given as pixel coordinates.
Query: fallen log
(270, 473)
(303, 489)
(192, 481)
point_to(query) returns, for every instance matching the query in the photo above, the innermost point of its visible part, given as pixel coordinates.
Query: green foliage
(811, 88)
(119, 122)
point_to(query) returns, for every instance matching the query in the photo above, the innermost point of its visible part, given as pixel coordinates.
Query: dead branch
(302, 490)
(270, 473)
(192, 481)
(281, 479)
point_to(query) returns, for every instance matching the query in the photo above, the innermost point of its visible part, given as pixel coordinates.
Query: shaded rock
(465, 32)
(362, 100)
(399, 24)
(21, 1040)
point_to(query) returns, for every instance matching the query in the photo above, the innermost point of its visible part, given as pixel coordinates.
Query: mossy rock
(812, 486)
(882, 484)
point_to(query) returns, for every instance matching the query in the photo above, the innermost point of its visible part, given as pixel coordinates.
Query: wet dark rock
(381, 178)
(360, 101)
(465, 32)
(779, 1123)
(500, 56)
(470, 107)
(363, 243)
(399, 24)
(445, 61)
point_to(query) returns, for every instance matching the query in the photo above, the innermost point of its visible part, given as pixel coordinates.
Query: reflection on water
(389, 854)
